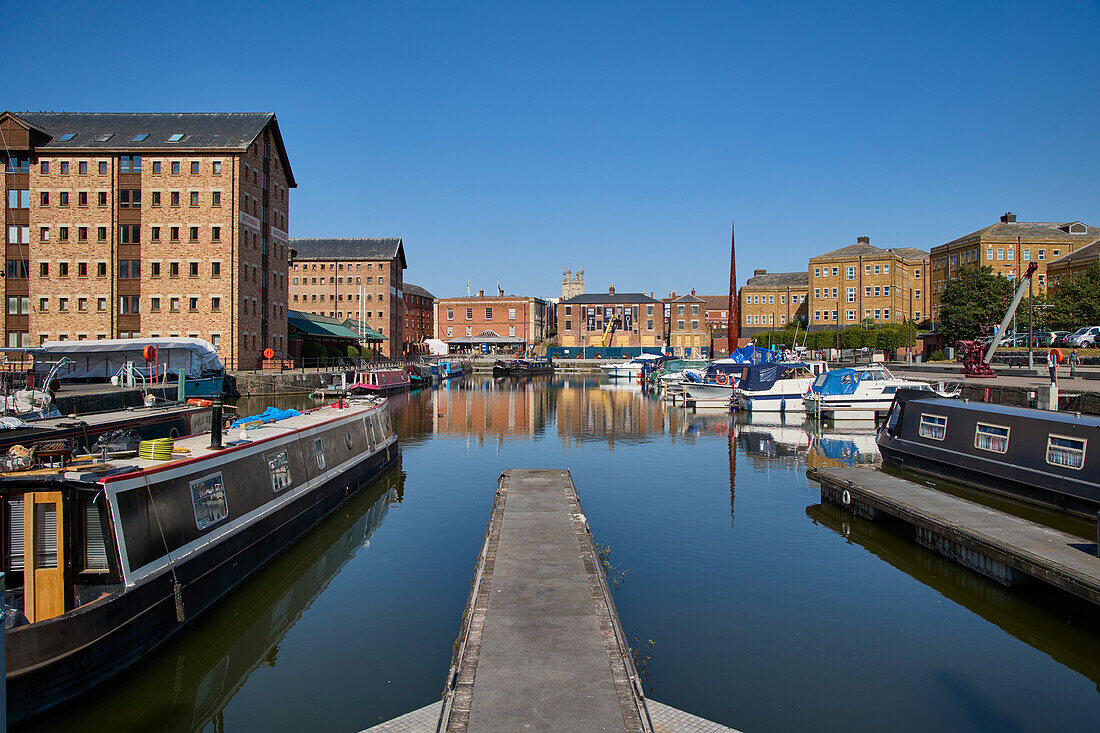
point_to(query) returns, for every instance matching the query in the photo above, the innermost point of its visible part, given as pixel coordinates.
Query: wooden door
(44, 555)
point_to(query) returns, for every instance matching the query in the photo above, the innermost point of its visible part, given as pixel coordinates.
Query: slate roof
(486, 337)
(355, 248)
(862, 249)
(1032, 230)
(1084, 254)
(417, 290)
(604, 298)
(201, 130)
(717, 302)
(779, 280)
(689, 298)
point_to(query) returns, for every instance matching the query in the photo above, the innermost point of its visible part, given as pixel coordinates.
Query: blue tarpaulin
(271, 414)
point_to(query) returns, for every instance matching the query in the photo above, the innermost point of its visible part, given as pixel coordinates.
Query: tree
(1075, 301)
(353, 351)
(977, 299)
(313, 352)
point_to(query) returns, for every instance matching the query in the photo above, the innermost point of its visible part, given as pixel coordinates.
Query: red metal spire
(733, 324)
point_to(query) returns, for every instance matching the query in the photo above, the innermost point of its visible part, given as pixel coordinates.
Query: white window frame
(1084, 446)
(978, 431)
(932, 423)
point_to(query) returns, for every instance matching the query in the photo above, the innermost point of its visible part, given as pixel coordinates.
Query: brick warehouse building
(419, 318)
(517, 316)
(1008, 246)
(773, 300)
(127, 225)
(583, 318)
(862, 282)
(328, 276)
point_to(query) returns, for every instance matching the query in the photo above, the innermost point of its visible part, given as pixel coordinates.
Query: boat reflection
(1057, 624)
(188, 683)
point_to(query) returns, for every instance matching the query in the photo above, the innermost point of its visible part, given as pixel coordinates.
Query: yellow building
(772, 301)
(1074, 263)
(1008, 246)
(862, 282)
(688, 336)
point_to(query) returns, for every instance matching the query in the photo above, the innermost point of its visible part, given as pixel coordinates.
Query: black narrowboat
(1047, 458)
(104, 565)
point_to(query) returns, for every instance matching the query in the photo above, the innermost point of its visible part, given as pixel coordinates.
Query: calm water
(767, 610)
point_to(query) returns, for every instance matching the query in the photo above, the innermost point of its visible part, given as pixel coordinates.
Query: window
(194, 234)
(193, 305)
(1011, 254)
(18, 268)
(1065, 451)
(1042, 254)
(215, 269)
(82, 305)
(850, 295)
(851, 273)
(64, 167)
(208, 498)
(82, 269)
(469, 331)
(101, 304)
(45, 167)
(878, 314)
(173, 269)
(129, 163)
(193, 269)
(215, 304)
(63, 198)
(129, 269)
(886, 290)
(154, 234)
(174, 305)
(319, 452)
(851, 315)
(1027, 254)
(279, 467)
(175, 168)
(154, 305)
(156, 166)
(128, 304)
(63, 269)
(933, 427)
(217, 167)
(63, 304)
(129, 234)
(194, 167)
(488, 314)
(82, 234)
(216, 198)
(469, 312)
(194, 198)
(174, 234)
(101, 198)
(993, 438)
(1000, 254)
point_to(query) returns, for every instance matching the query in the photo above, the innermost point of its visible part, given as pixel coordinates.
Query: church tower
(572, 285)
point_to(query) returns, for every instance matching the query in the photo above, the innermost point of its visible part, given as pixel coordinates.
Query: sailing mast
(733, 322)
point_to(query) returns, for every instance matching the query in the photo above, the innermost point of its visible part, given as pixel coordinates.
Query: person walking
(1052, 365)
(1074, 362)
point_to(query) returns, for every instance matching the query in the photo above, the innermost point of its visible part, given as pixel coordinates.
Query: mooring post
(216, 421)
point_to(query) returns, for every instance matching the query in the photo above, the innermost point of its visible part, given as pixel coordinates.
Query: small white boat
(708, 394)
(776, 387)
(631, 368)
(860, 393)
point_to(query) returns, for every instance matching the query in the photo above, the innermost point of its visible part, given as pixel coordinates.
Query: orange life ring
(722, 378)
(1058, 355)
(199, 403)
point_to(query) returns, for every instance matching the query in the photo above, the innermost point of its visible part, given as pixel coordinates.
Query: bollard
(216, 421)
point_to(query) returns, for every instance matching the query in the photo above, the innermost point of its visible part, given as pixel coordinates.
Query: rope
(159, 449)
(177, 589)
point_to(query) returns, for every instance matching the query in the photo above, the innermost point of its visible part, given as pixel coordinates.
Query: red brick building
(507, 315)
(334, 277)
(128, 225)
(419, 318)
(583, 319)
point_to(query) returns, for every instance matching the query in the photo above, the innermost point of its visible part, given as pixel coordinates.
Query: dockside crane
(974, 364)
(612, 325)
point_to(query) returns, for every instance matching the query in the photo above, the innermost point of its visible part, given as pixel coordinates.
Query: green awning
(369, 334)
(308, 324)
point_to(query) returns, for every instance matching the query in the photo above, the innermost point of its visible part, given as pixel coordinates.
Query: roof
(988, 408)
(351, 248)
(1085, 254)
(311, 324)
(689, 298)
(717, 302)
(411, 289)
(200, 130)
(369, 334)
(863, 249)
(779, 280)
(1031, 230)
(486, 337)
(603, 298)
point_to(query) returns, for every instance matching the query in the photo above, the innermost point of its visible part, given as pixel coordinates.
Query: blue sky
(505, 141)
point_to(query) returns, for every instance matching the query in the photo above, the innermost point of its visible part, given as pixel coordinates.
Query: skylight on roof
(175, 137)
(66, 137)
(104, 138)
(140, 137)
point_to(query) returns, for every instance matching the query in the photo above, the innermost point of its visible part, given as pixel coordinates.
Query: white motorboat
(776, 387)
(631, 368)
(858, 393)
(708, 394)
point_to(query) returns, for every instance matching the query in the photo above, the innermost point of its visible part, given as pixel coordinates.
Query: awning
(308, 324)
(487, 337)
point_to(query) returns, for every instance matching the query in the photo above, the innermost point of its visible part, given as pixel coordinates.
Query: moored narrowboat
(381, 381)
(104, 563)
(1040, 456)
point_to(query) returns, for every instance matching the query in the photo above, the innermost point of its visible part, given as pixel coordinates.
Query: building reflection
(192, 680)
(587, 410)
(1056, 624)
(483, 407)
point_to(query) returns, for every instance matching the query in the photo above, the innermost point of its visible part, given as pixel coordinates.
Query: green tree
(1075, 301)
(353, 351)
(977, 299)
(313, 352)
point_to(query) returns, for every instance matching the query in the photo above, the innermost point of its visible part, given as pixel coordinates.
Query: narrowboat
(776, 387)
(420, 375)
(530, 367)
(451, 369)
(1039, 456)
(380, 381)
(502, 368)
(104, 563)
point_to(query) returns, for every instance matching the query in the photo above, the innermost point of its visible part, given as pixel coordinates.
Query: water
(767, 610)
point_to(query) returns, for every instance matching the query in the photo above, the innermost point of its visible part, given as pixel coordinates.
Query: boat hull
(55, 660)
(707, 394)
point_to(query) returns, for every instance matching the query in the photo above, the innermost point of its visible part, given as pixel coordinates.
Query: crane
(615, 322)
(974, 364)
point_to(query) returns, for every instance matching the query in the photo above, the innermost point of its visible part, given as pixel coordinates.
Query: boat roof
(986, 408)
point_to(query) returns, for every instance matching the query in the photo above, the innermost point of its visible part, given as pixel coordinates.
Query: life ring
(1059, 357)
(846, 498)
(722, 379)
(199, 403)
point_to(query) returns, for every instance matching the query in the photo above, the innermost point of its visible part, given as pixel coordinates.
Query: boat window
(387, 429)
(370, 431)
(889, 390)
(13, 547)
(208, 496)
(991, 438)
(95, 547)
(1065, 451)
(320, 451)
(45, 522)
(279, 467)
(933, 426)
(378, 427)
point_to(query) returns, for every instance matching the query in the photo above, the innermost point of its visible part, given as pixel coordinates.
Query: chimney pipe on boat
(216, 421)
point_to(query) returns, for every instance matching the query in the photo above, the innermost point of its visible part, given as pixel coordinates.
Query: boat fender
(783, 405)
(200, 402)
(846, 498)
(721, 379)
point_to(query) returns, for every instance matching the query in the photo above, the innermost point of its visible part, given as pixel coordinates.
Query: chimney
(611, 289)
(693, 291)
(863, 240)
(481, 293)
(1008, 218)
(500, 290)
(672, 295)
(756, 273)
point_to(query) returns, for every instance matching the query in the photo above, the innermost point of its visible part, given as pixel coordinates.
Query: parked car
(1065, 339)
(1053, 338)
(1039, 338)
(1086, 337)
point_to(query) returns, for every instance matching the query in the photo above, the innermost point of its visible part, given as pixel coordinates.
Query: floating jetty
(1000, 546)
(541, 647)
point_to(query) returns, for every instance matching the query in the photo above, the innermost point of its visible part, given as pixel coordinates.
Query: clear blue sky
(507, 140)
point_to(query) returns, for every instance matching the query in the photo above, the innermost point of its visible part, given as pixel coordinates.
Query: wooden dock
(1001, 546)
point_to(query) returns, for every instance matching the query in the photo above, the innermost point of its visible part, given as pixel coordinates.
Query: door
(44, 555)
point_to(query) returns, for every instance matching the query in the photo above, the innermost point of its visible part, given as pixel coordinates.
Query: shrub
(353, 352)
(314, 352)
(938, 355)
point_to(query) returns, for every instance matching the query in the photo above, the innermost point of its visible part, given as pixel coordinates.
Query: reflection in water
(1057, 624)
(189, 682)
